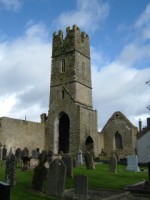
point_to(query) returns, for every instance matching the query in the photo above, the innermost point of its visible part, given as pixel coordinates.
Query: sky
(119, 32)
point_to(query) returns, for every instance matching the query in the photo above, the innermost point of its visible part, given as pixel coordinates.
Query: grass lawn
(98, 178)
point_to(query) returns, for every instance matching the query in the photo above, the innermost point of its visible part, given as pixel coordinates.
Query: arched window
(89, 143)
(118, 141)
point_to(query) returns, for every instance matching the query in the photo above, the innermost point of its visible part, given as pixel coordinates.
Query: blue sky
(120, 54)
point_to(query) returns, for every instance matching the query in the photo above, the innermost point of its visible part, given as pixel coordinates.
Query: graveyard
(100, 178)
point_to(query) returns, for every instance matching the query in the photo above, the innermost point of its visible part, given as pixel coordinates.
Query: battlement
(74, 40)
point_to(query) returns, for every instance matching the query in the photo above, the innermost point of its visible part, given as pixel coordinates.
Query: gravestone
(69, 164)
(40, 174)
(25, 152)
(10, 171)
(4, 191)
(4, 153)
(89, 162)
(18, 154)
(113, 163)
(56, 178)
(1, 152)
(50, 156)
(34, 153)
(132, 163)
(81, 187)
(80, 157)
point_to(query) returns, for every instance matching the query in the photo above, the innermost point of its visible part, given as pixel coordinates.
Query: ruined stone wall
(20, 133)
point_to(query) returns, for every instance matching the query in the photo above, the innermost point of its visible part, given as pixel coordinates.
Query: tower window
(63, 94)
(62, 65)
(83, 69)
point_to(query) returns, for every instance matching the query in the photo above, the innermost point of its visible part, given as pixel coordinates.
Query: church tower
(72, 122)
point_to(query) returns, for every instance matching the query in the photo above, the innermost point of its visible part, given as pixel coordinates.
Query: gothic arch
(118, 141)
(64, 128)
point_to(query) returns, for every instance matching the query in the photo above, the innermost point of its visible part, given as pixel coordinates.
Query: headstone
(56, 178)
(132, 163)
(50, 156)
(40, 174)
(89, 162)
(81, 187)
(10, 171)
(4, 191)
(1, 152)
(113, 163)
(69, 164)
(34, 153)
(18, 154)
(25, 152)
(80, 157)
(4, 153)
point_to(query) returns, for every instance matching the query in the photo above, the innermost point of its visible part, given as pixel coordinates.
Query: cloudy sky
(119, 33)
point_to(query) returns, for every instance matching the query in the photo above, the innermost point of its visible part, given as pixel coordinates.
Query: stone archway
(64, 127)
(89, 143)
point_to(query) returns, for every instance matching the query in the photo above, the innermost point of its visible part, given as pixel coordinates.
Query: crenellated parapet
(74, 40)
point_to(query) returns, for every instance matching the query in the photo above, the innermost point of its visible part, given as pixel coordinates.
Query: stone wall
(15, 133)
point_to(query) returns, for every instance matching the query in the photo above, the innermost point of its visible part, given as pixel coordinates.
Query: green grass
(98, 178)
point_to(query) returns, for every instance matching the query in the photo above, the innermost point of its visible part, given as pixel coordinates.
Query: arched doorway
(64, 126)
(89, 144)
(118, 140)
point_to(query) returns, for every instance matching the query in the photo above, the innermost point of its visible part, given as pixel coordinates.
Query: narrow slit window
(62, 65)
(63, 94)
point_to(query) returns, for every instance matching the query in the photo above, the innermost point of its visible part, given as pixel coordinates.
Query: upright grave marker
(56, 178)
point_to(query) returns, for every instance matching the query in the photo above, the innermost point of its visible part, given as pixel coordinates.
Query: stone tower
(72, 122)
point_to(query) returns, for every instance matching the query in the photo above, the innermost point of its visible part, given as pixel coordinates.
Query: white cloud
(11, 4)
(89, 15)
(24, 77)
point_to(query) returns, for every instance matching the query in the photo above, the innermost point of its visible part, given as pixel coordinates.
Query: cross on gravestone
(81, 187)
(56, 178)
(69, 164)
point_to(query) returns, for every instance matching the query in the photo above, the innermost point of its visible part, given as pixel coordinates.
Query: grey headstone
(34, 153)
(4, 153)
(18, 154)
(56, 178)
(80, 157)
(69, 164)
(25, 152)
(40, 173)
(113, 163)
(81, 186)
(89, 162)
(10, 171)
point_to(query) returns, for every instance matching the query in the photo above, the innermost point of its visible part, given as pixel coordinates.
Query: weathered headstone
(80, 157)
(89, 162)
(132, 163)
(4, 153)
(1, 152)
(25, 152)
(34, 153)
(56, 178)
(40, 174)
(113, 163)
(69, 164)
(81, 187)
(10, 171)
(50, 156)
(18, 154)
